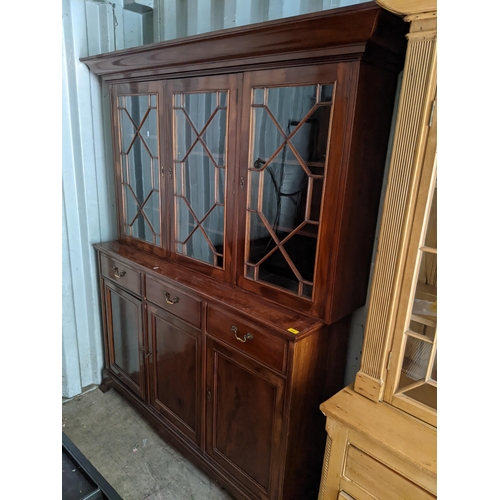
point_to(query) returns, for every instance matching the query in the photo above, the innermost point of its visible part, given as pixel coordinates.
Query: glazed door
(244, 419)
(137, 112)
(288, 161)
(201, 171)
(175, 371)
(124, 331)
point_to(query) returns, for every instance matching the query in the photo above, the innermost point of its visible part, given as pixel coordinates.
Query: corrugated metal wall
(91, 27)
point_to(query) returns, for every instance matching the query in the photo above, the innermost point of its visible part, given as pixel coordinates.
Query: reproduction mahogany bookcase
(248, 165)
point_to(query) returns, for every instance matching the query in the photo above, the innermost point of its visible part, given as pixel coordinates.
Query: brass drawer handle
(118, 273)
(247, 336)
(170, 301)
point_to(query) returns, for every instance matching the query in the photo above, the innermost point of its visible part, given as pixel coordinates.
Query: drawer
(121, 274)
(167, 296)
(248, 338)
(378, 480)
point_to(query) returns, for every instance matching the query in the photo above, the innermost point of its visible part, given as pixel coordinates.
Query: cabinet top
(292, 325)
(349, 33)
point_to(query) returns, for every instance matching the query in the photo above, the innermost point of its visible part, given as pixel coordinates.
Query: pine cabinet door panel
(175, 373)
(125, 337)
(244, 419)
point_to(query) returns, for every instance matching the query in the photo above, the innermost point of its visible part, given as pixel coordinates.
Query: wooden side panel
(318, 370)
(418, 88)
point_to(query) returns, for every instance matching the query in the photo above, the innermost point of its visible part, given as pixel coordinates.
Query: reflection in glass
(290, 130)
(200, 123)
(139, 166)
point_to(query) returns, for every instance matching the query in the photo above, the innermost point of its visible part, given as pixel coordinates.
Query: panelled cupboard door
(137, 137)
(175, 371)
(125, 343)
(244, 419)
(201, 169)
(289, 159)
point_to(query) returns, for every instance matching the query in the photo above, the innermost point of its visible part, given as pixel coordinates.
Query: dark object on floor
(80, 479)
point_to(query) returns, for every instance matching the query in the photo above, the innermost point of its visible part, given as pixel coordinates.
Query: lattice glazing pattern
(139, 162)
(200, 129)
(290, 130)
(418, 376)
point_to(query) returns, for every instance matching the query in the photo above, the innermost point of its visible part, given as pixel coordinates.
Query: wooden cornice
(335, 33)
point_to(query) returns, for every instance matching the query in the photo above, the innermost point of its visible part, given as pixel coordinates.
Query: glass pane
(415, 361)
(258, 96)
(425, 301)
(261, 242)
(127, 131)
(184, 134)
(214, 227)
(185, 221)
(151, 211)
(221, 192)
(140, 171)
(222, 99)
(197, 247)
(200, 107)
(142, 230)
(307, 291)
(427, 330)
(148, 132)
(290, 104)
(326, 93)
(124, 317)
(301, 248)
(215, 137)
(199, 181)
(311, 138)
(276, 271)
(425, 394)
(267, 137)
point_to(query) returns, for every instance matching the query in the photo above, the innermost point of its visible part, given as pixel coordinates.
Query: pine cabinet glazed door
(244, 419)
(175, 371)
(125, 345)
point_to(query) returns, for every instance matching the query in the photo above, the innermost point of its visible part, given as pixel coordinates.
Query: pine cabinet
(248, 167)
(382, 430)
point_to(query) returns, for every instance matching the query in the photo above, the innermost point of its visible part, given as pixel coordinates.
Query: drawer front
(248, 338)
(121, 274)
(167, 296)
(381, 482)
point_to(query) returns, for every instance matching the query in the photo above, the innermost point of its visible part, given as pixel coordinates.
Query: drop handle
(118, 273)
(247, 337)
(169, 300)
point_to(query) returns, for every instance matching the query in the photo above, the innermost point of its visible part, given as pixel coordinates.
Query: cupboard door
(136, 114)
(203, 151)
(175, 371)
(125, 345)
(291, 149)
(244, 419)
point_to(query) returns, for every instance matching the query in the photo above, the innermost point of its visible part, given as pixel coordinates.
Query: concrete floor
(129, 454)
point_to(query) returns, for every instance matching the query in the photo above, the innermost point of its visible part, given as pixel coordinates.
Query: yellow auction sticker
(292, 330)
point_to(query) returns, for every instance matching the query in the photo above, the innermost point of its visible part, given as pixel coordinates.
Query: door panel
(175, 373)
(125, 337)
(244, 418)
